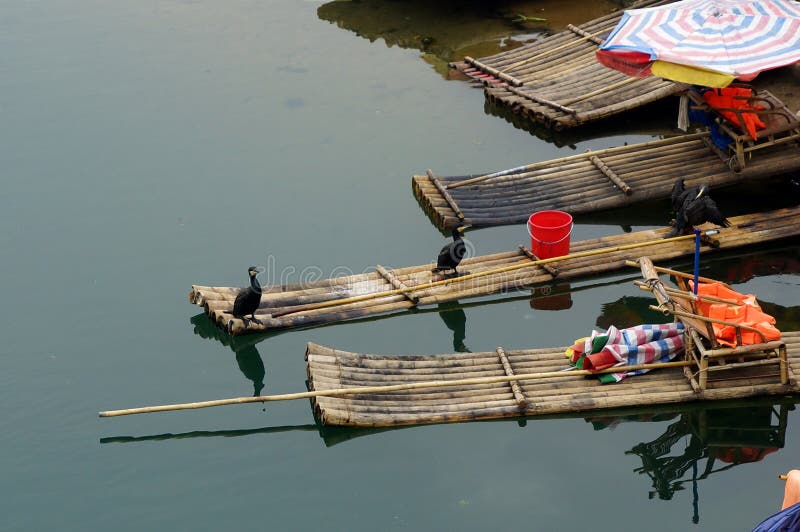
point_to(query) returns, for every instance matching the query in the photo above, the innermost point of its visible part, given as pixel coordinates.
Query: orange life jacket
(736, 98)
(747, 312)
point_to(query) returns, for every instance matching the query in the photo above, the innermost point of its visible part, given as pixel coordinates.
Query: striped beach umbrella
(705, 42)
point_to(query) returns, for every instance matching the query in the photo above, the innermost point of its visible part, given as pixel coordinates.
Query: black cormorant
(677, 192)
(248, 298)
(695, 207)
(450, 256)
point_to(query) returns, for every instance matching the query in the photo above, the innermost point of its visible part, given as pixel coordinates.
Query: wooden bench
(782, 125)
(709, 357)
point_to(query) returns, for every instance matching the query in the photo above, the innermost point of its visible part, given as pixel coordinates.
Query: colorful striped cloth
(643, 344)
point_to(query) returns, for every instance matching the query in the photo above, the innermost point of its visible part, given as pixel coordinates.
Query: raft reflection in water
(724, 435)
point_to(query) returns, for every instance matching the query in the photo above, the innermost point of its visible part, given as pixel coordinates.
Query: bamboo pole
(585, 155)
(601, 90)
(492, 272)
(689, 295)
(709, 320)
(676, 273)
(611, 175)
(551, 51)
(493, 71)
(387, 388)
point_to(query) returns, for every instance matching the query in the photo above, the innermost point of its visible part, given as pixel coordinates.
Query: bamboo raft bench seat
(559, 82)
(782, 125)
(387, 291)
(709, 357)
(329, 368)
(591, 181)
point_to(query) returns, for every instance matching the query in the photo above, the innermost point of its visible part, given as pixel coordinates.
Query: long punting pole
(512, 267)
(389, 388)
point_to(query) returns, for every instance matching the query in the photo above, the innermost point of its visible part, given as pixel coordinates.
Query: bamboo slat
(366, 295)
(587, 182)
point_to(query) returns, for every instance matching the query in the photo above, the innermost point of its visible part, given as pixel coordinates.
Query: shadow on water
(330, 435)
(455, 319)
(658, 119)
(244, 348)
(448, 30)
(721, 436)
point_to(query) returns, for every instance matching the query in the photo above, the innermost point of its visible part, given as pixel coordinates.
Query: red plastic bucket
(550, 232)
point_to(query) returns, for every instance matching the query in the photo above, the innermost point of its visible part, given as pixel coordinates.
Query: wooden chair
(703, 348)
(782, 125)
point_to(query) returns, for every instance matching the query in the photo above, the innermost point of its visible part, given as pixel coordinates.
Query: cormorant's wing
(712, 213)
(677, 191)
(445, 259)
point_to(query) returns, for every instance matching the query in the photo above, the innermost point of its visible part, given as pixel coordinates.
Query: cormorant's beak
(700, 193)
(461, 229)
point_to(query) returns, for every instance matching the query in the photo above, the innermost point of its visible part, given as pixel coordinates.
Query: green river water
(147, 146)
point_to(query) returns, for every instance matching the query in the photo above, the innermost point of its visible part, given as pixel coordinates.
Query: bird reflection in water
(455, 319)
(244, 347)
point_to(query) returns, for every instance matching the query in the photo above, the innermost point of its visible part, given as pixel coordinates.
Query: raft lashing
(335, 369)
(559, 82)
(293, 306)
(591, 181)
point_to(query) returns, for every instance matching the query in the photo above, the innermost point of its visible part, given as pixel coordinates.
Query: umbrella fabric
(787, 520)
(736, 38)
(643, 344)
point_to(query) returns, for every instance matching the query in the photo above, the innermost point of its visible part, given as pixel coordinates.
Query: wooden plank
(544, 101)
(518, 395)
(397, 283)
(445, 194)
(493, 71)
(552, 270)
(610, 174)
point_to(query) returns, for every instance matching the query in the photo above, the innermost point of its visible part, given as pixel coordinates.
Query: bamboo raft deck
(335, 369)
(590, 181)
(293, 306)
(559, 82)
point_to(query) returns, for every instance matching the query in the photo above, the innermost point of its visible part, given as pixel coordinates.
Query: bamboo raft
(387, 291)
(390, 390)
(590, 181)
(335, 369)
(559, 82)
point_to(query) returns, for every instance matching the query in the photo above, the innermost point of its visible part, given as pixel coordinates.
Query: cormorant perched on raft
(451, 254)
(693, 207)
(248, 298)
